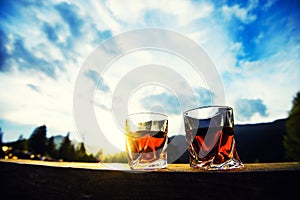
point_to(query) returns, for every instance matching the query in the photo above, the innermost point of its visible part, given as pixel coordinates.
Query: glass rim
(145, 113)
(212, 106)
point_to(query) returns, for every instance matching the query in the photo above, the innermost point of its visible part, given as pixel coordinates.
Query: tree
(99, 155)
(21, 144)
(66, 150)
(120, 157)
(1, 135)
(291, 140)
(1, 151)
(82, 156)
(81, 149)
(80, 153)
(37, 140)
(51, 148)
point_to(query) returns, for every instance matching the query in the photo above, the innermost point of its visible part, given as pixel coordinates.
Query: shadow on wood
(24, 181)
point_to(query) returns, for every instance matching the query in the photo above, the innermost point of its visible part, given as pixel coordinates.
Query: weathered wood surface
(22, 179)
(249, 167)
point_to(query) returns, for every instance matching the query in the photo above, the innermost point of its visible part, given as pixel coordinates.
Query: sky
(254, 46)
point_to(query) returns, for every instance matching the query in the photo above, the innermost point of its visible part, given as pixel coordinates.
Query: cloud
(97, 80)
(266, 79)
(246, 108)
(34, 87)
(13, 130)
(254, 45)
(172, 105)
(36, 99)
(205, 96)
(263, 38)
(244, 14)
(154, 13)
(69, 13)
(50, 32)
(27, 60)
(166, 102)
(3, 51)
(100, 36)
(26, 49)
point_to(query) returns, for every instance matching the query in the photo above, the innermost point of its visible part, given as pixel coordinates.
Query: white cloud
(127, 12)
(243, 14)
(55, 100)
(131, 14)
(268, 4)
(51, 106)
(259, 37)
(275, 79)
(185, 11)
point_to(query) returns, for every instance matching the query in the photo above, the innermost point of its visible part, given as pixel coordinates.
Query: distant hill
(177, 150)
(261, 142)
(255, 143)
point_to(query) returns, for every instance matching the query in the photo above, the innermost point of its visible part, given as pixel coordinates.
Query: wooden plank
(249, 167)
(42, 180)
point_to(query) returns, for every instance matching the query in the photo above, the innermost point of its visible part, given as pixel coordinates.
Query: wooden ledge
(249, 167)
(22, 179)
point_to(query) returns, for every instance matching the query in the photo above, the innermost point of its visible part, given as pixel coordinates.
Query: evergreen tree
(291, 140)
(99, 156)
(81, 149)
(51, 148)
(66, 150)
(72, 153)
(80, 154)
(37, 140)
(1, 136)
(1, 144)
(21, 144)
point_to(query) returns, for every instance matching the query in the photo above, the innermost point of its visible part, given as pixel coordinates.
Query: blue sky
(255, 46)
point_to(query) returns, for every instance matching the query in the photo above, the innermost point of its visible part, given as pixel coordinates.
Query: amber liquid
(213, 145)
(146, 146)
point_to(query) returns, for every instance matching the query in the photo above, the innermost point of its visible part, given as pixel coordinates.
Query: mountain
(261, 142)
(255, 143)
(177, 150)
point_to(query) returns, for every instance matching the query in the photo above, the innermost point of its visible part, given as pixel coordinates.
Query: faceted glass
(146, 140)
(210, 137)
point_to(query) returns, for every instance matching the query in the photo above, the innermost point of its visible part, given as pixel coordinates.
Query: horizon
(254, 47)
(74, 138)
(93, 150)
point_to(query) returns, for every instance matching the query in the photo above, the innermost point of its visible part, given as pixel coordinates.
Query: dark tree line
(38, 146)
(68, 152)
(291, 140)
(1, 151)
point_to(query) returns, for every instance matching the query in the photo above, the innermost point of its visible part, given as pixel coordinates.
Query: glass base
(209, 165)
(203, 164)
(158, 164)
(230, 164)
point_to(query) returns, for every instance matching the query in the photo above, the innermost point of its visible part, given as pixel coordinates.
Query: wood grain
(22, 179)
